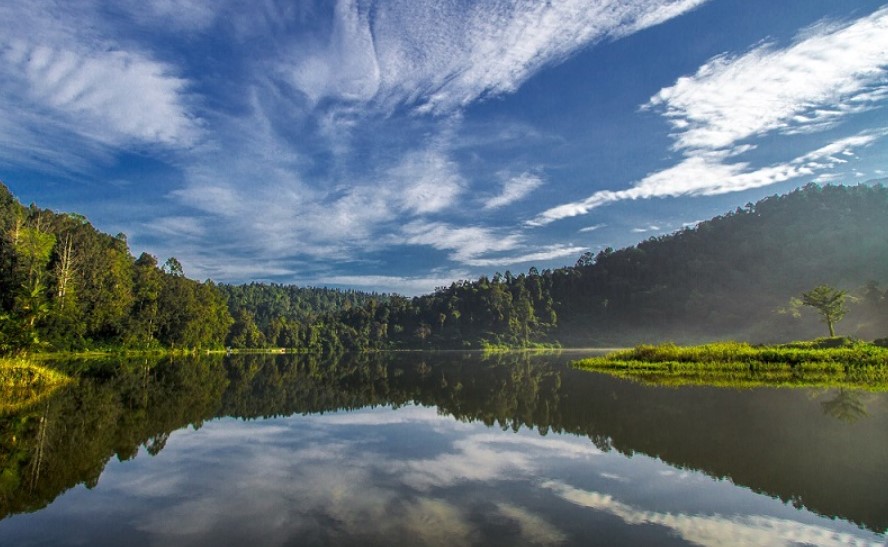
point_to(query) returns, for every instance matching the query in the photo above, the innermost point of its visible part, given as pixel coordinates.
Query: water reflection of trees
(768, 440)
(112, 411)
(847, 406)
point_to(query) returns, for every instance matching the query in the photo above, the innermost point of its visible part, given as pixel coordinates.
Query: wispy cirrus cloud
(648, 228)
(440, 57)
(397, 284)
(65, 82)
(830, 72)
(707, 174)
(514, 189)
(710, 529)
(425, 181)
(545, 253)
(176, 15)
(466, 243)
(482, 247)
(283, 213)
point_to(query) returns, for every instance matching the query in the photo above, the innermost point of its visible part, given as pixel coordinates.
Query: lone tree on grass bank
(830, 302)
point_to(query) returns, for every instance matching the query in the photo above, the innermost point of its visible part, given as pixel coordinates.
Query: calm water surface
(440, 449)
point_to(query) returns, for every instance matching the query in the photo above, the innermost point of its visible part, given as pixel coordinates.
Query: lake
(435, 449)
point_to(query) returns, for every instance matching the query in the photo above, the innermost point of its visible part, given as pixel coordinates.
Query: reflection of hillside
(778, 442)
(773, 441)
(67, 439)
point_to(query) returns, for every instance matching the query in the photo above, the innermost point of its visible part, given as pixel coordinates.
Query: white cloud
(425, 181)
(488, 457)
(189, 15)
(467, 243)
(706, 174)
(481, 246)
(592, 228)
(443, 56)
(177, 226)
(114, 97)
(257, 202)
(549, 252)
(514, 189)
(711, 529)
(829, 72)
(69, 87)
(348, 68)
(535, 529)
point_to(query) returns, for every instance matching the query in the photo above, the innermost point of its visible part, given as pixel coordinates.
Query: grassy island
(827, 362)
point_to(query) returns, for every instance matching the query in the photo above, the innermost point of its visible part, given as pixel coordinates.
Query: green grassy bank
(832, 362)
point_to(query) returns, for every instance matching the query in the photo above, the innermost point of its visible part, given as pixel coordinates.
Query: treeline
(732, 276)
(503, 310)
(67, 286)
(286, 316)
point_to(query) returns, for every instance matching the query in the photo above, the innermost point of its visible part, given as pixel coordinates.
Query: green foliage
(726, 276)
(67, 286)
(829, 302)
(732, 364)
(723, 278)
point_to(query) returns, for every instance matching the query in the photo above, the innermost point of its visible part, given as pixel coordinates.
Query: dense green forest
(732, 276)
(67, 286)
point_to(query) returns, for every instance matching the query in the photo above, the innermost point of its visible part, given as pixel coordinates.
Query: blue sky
(400, 145)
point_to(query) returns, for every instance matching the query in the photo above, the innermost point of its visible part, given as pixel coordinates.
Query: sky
(399, 145)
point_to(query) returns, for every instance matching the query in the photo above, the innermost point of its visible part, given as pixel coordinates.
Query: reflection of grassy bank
(23, 383)
(490, 348)
(820, 363)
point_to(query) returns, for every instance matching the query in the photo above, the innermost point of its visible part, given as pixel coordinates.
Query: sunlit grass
(819, 363)
(23, 384)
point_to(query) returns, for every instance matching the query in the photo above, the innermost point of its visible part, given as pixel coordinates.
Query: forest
(65, 286)
(729, 277)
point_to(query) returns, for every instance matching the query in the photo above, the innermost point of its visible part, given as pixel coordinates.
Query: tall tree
(829, 302)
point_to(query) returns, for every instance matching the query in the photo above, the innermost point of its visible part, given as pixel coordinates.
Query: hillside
(728, 277)
(66, 285)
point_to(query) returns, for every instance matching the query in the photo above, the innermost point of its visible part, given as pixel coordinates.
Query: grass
(829, 362)
(500, 347)
(23, 383)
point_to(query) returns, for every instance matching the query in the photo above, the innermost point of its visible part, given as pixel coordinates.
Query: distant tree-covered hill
(275, 315)
(729, 277)
(65, 285)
